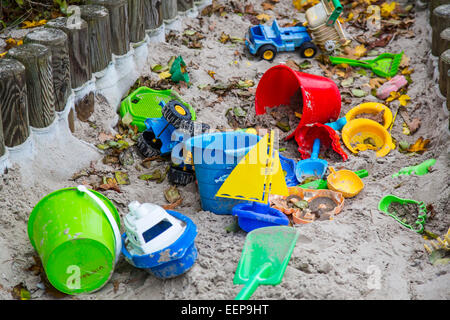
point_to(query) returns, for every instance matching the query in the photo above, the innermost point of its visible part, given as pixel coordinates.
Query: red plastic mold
(305, 136)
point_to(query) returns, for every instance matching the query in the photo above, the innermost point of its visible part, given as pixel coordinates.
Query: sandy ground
(337, 259)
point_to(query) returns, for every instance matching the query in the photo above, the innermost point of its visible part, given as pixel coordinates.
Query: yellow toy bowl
(345, 181)
(363, 134)
(373, 108)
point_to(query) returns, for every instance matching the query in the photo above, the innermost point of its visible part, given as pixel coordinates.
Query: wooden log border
(27, 96)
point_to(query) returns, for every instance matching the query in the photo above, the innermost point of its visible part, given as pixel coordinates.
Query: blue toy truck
(266, 42)
(164, 133)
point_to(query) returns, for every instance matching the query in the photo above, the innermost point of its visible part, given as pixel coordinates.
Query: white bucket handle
(110, 217)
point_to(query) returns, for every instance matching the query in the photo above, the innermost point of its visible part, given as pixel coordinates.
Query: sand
(361, 254)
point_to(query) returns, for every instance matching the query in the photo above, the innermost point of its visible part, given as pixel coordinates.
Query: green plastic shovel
(264, 258)
(385, 65)
(420, 169)
(322, 184)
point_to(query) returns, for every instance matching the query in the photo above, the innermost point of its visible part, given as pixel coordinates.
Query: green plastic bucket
(74, 231)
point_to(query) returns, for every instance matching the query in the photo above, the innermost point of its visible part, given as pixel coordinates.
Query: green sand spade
(385, 65)
(420, 170)
(264, 259)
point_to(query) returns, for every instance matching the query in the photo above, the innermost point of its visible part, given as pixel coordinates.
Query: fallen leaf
(376, 82)
(165, 75)
(173, 205)
(267, 6)
(224, 38)
(122, 178)
(387, 9)
(263, 17)
(32, 24)
(404, 99)
(359, 93)
(172, 194)
(20, 292)
(211, 74)
(111, 184)
(419, 146)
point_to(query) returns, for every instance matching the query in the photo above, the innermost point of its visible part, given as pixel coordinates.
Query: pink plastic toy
(392, 85)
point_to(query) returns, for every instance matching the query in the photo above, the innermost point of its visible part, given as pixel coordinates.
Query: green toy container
(71, 231)
(143, 103)
(386, 201)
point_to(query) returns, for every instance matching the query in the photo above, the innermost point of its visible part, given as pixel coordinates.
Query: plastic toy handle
(253, 283)
(362, 173)
(338, 124)
(316, 184)
(110, 217)
(333, 172)
(315, 149)
(352, 62)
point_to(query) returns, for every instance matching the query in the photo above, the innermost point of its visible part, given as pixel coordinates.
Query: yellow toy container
(373, 108)
(362, 134)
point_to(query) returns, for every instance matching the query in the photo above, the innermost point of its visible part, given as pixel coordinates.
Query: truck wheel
(308, 50)
(148, 145)
(175, 113)
(267, 52)
(190, 127)
(180, 176)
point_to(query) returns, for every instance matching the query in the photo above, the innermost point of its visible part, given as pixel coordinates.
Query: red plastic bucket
(321, 100)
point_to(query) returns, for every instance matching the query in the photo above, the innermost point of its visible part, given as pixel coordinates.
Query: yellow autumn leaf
(32, 24)
(387, 9)
(263, 17)
(304, 4)
(404, 99)
(406, 130)
(394, 95)
(212, 74)
(360, 50)
(3, 54)
(407, 71)
(165, 75)
(350, 17)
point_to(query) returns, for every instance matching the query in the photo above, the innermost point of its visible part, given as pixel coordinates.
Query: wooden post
(13, 102)
(444, 64)
(169, 9)
(37, 60)
(448, 93)
(434, 4)
(153, 14)
(2, 141)
(444, 43)
(79, 55)
(136, 22)
(56, 41)
(185, 5)
(118, 17)
(441, 21)
(97, 18)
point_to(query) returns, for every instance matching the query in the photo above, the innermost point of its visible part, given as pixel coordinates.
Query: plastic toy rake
(385, 65)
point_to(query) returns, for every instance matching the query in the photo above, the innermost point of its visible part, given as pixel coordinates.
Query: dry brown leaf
(173, 205)
(267, 6)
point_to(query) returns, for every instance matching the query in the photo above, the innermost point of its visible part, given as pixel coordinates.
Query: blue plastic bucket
(215, 155)
(258, 215)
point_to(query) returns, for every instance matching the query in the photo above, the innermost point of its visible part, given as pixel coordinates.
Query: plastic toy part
(264, 258)
(392, 85)
(180, 175)
(363, 134)
(345, 181)
(257, 175)
(145, 103)
(173, 251)
(72, 227)
(338, 124)
(256, 215)
(421, 216)
(320, 204)
(214, 156)
(419, 170)
(371, 108)
(266, 42)
(312, 166)
(288, 166)
(385, 65)
(178, 71)
(320, 100)
(322, 184)
(306, 135)
(158, 138)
